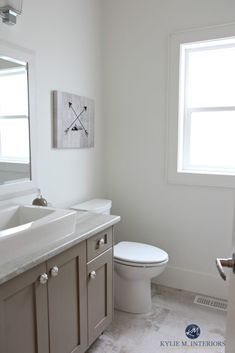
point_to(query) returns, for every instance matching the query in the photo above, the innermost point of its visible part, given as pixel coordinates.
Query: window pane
(211, 77)
(14, 140)
(212, 141)
(14, 88)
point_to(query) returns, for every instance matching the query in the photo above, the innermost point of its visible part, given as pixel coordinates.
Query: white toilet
(135, 264)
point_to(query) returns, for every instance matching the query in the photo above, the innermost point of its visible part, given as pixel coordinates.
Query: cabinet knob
(92, 275)
(54, 271)
(101, 242)
(43, 278)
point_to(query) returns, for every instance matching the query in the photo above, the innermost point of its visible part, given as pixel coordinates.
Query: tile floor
(172, 311)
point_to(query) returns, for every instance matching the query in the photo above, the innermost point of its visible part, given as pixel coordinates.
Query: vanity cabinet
(23, 314)
(67, 301)
(61, 305)
(100, 283)
(100, 295)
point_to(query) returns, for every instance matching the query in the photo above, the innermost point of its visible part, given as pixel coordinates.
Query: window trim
(174, 130)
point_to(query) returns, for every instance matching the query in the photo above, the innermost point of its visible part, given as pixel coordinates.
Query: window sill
(201, 179)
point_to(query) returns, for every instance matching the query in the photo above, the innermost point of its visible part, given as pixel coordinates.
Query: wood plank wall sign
(73, 121)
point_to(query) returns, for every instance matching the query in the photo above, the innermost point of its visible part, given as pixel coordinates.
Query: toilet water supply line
(75, 128)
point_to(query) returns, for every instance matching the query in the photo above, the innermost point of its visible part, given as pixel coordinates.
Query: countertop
(87, 224)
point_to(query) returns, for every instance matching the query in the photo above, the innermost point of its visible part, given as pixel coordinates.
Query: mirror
(14, 122)
(17, 121)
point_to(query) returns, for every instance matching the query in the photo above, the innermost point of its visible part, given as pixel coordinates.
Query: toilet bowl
(135, 264)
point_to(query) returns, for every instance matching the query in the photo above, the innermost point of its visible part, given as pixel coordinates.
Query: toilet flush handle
(229, 263)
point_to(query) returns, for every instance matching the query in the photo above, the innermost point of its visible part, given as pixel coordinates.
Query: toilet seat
(139, 254)
(138, 264)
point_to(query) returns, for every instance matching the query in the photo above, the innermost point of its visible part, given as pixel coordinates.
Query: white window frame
(175, 171)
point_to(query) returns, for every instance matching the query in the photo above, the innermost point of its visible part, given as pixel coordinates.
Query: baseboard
(197, 282)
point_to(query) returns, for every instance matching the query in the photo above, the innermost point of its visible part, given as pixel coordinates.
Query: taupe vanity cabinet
(61, 305)
(67, 301)
(100, 283)
(23, 314)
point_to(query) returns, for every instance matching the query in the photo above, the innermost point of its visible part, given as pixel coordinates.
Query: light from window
(207, 108)
(13, 88)
(14, 122)
(14, 140)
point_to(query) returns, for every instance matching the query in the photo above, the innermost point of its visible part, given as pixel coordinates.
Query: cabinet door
(100, 294)
(23, 314)
(67, 301)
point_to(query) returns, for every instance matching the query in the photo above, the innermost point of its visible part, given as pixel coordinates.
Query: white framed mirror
(17, 122)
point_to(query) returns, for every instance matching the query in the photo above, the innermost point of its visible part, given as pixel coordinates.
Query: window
(14, 130)
(207, 107)
(201, 107)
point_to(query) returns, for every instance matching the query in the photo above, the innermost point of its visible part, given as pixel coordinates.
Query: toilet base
(132, 296)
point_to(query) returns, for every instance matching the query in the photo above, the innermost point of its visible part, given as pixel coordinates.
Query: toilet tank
(95, 205)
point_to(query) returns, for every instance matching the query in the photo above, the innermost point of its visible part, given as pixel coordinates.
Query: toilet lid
(139, 253)
(95, 205)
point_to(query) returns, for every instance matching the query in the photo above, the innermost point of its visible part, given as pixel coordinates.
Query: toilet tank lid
(139, 253)
(94, 205)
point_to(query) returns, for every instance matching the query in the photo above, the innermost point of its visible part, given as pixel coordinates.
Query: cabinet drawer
(99, 243)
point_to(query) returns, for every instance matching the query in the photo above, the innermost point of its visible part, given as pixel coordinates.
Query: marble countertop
(87, 225)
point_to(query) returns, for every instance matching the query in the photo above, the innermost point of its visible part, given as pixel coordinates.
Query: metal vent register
(211, 302)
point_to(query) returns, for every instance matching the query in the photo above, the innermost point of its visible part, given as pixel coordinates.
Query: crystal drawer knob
(43, 278)
(92, 275)
(54, 271)
(101, 242)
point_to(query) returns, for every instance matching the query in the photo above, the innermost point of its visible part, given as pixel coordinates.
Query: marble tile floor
(172, 311)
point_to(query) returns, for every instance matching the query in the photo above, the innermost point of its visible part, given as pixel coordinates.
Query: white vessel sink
(29, 227)
(15, 216)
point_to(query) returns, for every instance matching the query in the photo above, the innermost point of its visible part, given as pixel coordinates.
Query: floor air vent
(219, 304)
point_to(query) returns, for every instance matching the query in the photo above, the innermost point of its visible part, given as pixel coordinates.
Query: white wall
(193, 224)
(66, 38)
